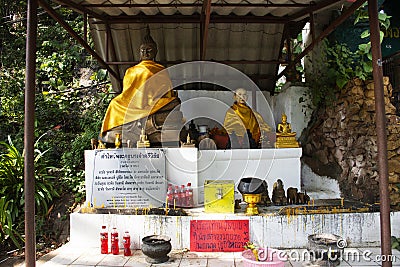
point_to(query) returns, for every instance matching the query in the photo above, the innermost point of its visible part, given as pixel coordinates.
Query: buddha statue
(189, 142)
(143, 142)
(244, 123)
(278, 193)
(284, 128)
(146, 100)
(285, 138)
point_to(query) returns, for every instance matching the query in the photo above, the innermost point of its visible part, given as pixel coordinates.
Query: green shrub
(12, 184)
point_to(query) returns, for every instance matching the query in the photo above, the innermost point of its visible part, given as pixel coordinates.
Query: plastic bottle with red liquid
(182, 197)
(127, 244)
(114, 242)
(176, 197)
(104, 240)
(189, 196)
(170, 195)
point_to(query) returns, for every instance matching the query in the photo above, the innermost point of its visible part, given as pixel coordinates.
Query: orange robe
(143, 94)
(240, 118)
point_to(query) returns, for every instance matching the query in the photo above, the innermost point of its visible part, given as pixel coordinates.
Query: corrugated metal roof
(248, 31)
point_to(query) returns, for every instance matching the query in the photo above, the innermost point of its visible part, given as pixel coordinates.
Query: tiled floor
(69, 255)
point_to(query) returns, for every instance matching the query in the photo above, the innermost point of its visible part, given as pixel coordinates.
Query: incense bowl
(156, 248)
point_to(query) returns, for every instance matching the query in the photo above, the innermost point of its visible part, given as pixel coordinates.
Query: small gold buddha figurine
(118, 141)
(285, 138)
(101, 145)
(189, 142)
(143, 141)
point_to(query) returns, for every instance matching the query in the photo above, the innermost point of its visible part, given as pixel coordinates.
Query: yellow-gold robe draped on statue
(241, 117)
(143, 94)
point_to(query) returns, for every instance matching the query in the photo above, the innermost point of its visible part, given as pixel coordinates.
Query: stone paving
(70, 255)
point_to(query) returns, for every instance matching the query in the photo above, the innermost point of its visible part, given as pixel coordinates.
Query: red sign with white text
(218, 235)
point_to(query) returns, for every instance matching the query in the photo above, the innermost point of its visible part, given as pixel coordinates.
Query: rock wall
(342, 142)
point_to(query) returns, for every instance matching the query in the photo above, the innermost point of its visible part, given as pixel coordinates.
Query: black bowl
(251, 185)
(156, 248)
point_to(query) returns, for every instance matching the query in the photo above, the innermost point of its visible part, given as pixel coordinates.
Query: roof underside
(248, 35)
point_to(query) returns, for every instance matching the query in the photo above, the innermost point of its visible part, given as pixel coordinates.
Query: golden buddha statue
(285, 138)
(118, 140)
(147, 92)
(241, 120)
(143, 142)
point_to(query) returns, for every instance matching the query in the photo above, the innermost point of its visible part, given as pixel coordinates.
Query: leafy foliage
(66, 116)
(347, 64)
(12, 184)
(338, 64)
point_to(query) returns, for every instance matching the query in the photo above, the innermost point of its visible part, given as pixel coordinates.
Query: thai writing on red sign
(218, 235)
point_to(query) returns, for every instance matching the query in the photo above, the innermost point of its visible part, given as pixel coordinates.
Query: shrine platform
(276, 226)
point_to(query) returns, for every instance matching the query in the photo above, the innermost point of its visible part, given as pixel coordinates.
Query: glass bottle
(189, 196)
(114, 242)
(104, 240)
(127, 244)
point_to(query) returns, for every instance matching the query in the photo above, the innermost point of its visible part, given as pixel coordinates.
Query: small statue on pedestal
(101, 145)
(265, 196)
(189, 142)
(278, 193)
(143, 141)
(118, 141)
(285, 138)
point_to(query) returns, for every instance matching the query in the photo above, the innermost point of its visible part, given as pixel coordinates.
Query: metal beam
(383, 172)
(204, 24)
(68, 28)
(227, 62)
(29, 134)
(177, 5)
(195, 18)
(79, 8)
(313, 8)
(347, 13)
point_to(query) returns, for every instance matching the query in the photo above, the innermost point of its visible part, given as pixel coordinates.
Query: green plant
(395, 243)
(348, 64)
(337, 64)
(7, 226)
(12, 182)
(295, 46)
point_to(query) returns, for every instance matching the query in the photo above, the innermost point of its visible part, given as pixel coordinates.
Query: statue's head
(284, 117)
(148, 48)
(240, 95)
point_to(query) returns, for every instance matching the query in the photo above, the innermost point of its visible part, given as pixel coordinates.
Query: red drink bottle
(170, 195)
(176, 196)
(104, 240)
(182, 197)
(189, 196)
(127, 244)
(114, 242)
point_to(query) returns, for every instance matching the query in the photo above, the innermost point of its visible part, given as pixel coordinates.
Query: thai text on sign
(218, 235)
(126, 178)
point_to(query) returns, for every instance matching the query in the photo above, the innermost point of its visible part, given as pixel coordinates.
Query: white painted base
(359, 229)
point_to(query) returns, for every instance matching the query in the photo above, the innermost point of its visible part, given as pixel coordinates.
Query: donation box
(219, 196)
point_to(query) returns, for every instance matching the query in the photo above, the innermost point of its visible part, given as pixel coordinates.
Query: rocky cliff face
(342, 142)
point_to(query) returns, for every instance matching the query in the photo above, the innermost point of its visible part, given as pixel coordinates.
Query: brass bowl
(252, 200)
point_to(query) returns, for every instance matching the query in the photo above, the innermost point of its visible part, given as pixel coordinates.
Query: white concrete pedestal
(185, 165)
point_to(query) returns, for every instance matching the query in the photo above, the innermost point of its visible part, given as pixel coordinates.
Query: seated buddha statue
(284, 128)
(244, 123)
(285, 138)
(146, 100)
